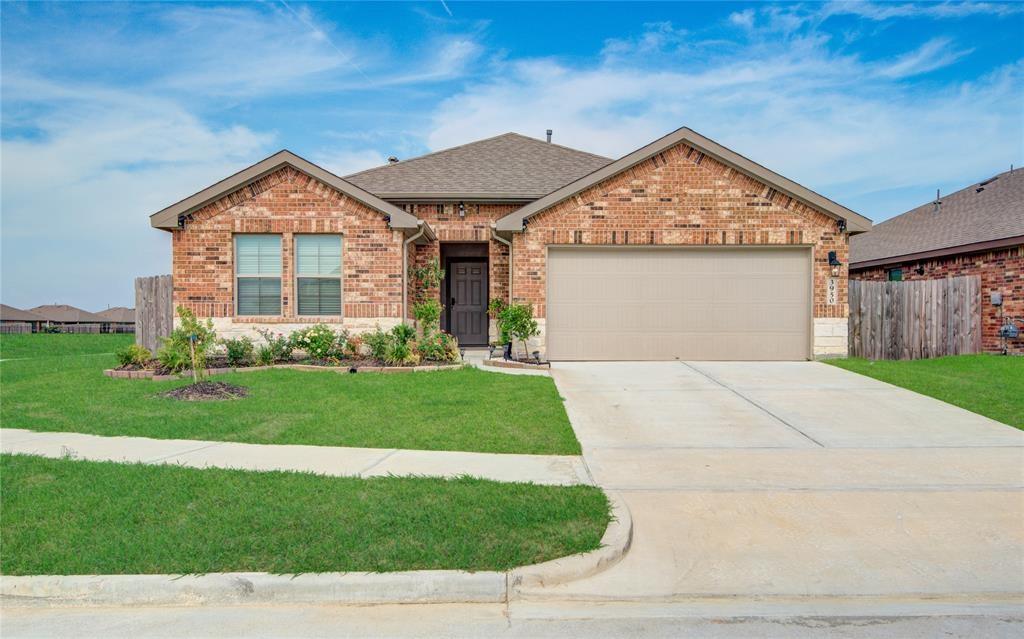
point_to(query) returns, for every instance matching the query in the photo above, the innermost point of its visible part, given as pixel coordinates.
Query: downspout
(508, 243)
(405, 268)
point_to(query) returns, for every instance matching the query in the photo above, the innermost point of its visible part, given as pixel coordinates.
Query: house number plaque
(833, 290)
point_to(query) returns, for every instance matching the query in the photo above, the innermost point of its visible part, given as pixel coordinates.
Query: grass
(54, 344)
(469, 409)
(990, 385)
(78, 517)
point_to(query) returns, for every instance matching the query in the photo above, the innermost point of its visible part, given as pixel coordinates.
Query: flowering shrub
(438, 347)
(321, 342)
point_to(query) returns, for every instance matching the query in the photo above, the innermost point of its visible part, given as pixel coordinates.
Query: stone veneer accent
(1000, 270)
(831, 337)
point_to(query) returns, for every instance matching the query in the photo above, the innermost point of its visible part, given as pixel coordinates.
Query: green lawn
(467, 409)
(990, 385)
(77, 517)
(53, 344)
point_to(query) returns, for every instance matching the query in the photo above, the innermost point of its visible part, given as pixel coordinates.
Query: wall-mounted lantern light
(462, 209)
(834, 262)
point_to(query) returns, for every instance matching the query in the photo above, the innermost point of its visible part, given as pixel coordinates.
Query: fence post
(154, 312)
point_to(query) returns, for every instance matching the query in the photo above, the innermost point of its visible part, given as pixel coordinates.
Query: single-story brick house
(680, 249)
(978, 230)
(69, 319)
(15, 320)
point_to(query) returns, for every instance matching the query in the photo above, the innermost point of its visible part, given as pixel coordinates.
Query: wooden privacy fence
(915, 319)
(154, 310)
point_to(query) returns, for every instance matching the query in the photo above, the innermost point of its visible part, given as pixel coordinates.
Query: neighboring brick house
(978, 230)
(682, 249)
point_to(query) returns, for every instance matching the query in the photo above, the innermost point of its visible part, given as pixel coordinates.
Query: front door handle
(453, 301)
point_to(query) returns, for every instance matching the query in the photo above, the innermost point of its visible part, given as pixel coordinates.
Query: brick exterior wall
(1001, 270)
(449, 226)
(684, 197)
(288, 202)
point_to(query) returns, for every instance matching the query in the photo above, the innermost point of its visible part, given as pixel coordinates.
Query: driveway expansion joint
(751, 402)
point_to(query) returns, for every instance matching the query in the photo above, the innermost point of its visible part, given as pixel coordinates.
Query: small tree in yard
(516, 321)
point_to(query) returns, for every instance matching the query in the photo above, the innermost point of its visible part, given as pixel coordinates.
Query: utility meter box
(997, 298)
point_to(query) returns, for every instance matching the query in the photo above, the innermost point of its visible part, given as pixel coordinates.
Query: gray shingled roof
(509, 166)
(66, 314)
(985, 212)
(118, 314)
(11, 314)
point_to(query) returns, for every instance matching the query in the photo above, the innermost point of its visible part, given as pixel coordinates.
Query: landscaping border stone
(504, 363)
(144, 374)
(418, 586)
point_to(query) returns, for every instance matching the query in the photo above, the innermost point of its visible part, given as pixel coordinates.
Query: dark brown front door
(467, 304)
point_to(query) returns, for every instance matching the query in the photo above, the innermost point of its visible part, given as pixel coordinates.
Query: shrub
(377, 343)
(318, 341)
(277, 347)
(428, 315)
(176, 354)
(239, 351)
(133, 355)
(439, 347)
(401, 353)
(494, 309)
(516, 321)
(265, 355)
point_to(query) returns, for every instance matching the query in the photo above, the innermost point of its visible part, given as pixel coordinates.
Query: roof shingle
(988, 211)
(66, 314)
(11, 314)
(508, 166)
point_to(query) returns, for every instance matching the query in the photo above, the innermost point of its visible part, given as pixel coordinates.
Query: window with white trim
(318, 274)
(257, 274)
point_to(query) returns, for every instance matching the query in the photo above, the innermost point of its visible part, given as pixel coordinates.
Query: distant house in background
(69, 319)
(15, 320)
(119, 320)
(978, 230)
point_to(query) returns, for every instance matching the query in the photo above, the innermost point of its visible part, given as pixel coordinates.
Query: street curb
(419, 586)
(615, 543)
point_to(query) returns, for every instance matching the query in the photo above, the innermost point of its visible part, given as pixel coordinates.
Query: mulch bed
(206, 391)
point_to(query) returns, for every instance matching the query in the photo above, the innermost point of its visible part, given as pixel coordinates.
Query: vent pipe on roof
(392, 160)
(549, 134)
(938, 202)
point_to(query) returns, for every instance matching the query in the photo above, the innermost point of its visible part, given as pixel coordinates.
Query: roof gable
(855, 223)
(168, 217)
(12, 314)
(65, 313)
(505, 167)
(987, 212)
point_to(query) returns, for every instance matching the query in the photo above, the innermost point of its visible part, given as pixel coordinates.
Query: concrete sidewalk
(326, 460)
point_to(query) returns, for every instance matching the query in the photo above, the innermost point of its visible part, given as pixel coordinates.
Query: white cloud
(845, 127)
(346, 162)
(879, 11)
(932, 55)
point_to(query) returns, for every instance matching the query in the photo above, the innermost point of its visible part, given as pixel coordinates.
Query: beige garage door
(678, 303)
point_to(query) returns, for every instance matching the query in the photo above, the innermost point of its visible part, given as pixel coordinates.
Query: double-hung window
(258, 274)
(318, 274)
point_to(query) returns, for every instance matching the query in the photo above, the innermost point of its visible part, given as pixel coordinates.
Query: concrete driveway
(796, 483)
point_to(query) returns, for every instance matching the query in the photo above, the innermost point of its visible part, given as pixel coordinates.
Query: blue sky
(110, 112)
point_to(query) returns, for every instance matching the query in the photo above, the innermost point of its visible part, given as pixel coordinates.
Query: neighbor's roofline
(973, 247)
(855, 222)
(168, 217)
